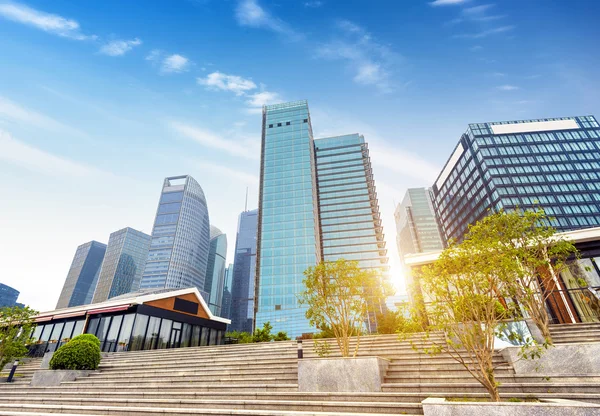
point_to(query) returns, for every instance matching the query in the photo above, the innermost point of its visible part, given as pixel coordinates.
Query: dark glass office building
(243, 272)
(83, 275)
(8, 296)
(551, 163)
(215, 271)
(123, 264)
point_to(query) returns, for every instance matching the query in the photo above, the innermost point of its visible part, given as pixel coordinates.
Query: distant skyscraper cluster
(8, 296)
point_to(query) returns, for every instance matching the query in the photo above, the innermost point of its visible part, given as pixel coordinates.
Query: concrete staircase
(24, 371)
(261, 379)
(571, 333)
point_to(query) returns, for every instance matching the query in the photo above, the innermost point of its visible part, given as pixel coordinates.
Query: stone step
(273, 405)
(285, 369)
(192, 358)
(433, 389)
(208, 386)
(428, 372)
(501, 378)
(268, 378)
(577, 325)
(192, 363)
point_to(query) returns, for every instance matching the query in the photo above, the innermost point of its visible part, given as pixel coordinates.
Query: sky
(101, 100)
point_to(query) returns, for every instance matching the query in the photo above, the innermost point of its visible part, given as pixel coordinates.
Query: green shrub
(77, 354)
(87, 337)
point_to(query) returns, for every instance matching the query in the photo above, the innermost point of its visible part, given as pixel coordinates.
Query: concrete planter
(52, 378)
(45, 365)
(360, 374)
(559, 359)
(546, 407)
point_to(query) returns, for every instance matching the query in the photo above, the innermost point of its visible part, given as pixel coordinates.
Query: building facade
(288, 241)
(243, 273)
(226, 309)
(549, 163)
(123, 264)
(83, 275)
(178, 254)
(317, 202)
(8, 296)
(215, 270)
(417, 230)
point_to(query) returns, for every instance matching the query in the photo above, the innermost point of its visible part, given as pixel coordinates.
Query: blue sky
(99, 101)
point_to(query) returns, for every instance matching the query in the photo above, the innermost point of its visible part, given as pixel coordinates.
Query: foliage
(322, 348)
(263, 334)
(87, 337)
(281, 336)
(242, 337)
(16, 326)
(77, 354)
(392, 322)
(338, 295)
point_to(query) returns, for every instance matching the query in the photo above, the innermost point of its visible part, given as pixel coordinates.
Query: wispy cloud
(220, 170)
(313, 4)
(447, 2)
(213, 140)
(257, 100)
(251, 14)
(31, 158)
(169, 64)
(485, 33)
(234, 83)
(370, 60)
(507, 87)
(119, 47)
(497, 74)
(51, 23)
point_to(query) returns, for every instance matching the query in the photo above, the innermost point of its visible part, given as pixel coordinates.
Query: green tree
(16, 325)
(338, 295)
(242, 337)
(281, 336)
(263, 334)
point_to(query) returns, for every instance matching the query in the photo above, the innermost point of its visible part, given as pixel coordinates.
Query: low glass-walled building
(145, 320)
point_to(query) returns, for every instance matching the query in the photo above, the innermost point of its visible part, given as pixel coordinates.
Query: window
(152, 333)
(125, 334)
(138, 333)
(270, 126)
(171, 197)
(305, 120)
(287, 123)
(278, 124)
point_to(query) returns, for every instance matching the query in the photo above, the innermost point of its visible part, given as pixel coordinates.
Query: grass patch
(14, 375)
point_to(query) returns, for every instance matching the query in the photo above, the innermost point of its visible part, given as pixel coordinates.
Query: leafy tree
(263, 334)
(242, 337)
(338, 295)
(16, 326)
(392, 322)
(281, 336)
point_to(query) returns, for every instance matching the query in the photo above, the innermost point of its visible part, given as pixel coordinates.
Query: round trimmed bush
(76, 355)
(87, 337)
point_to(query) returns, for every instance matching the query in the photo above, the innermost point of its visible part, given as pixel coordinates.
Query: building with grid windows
(551, 163)
(8, 296)
(317, 202)
(83, 275)
(215, 270)
(123, 264)
(178, 254)
(417, 230)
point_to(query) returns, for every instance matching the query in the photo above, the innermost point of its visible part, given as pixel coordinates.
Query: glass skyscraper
(178, 254)
(83, 275)
(317, 202)
(215, 271)
(288, 238)
(552, 163)
(243, 272)
(226, 308)
(123, 264)
(8, 296)
(417, 230)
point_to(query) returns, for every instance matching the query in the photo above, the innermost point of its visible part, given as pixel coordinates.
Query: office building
(8, 296)
(226, 308)
(123, 264)
(178, 254)
(299, 177)
(83, 275)
(552, 163)
(417, 230)
(243, 273)
(215, 270)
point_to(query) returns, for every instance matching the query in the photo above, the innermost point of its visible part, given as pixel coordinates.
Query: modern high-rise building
(226, 308)
(243, 273)
(299, 178)
(215, 270)
(551, 163)
(8, 296)
(178, 254)
(83, 275)
(123, 264)
(417, 230)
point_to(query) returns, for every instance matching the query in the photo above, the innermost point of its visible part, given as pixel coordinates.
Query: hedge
(77, 354)
(87, 337)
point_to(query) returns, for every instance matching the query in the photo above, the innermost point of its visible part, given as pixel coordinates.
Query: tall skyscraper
(292, 235)
(123, 264)
(417, 230)
(178, 253)
(83, 275)
(8, 296)
(243, 273)
(552, 163)
(215, 270)
(226, 308)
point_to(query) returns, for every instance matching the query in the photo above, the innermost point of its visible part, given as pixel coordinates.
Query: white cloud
(119, 47)
(234, 83)
(447, 2)
(175, 63)
(26, 156)
(477, 10)
(51, 23)
(154, 55)
(485, 33)
(214, 140)
(313, 4)
(507, 88)
(257, 100)
(370, 60)
(249, 13)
